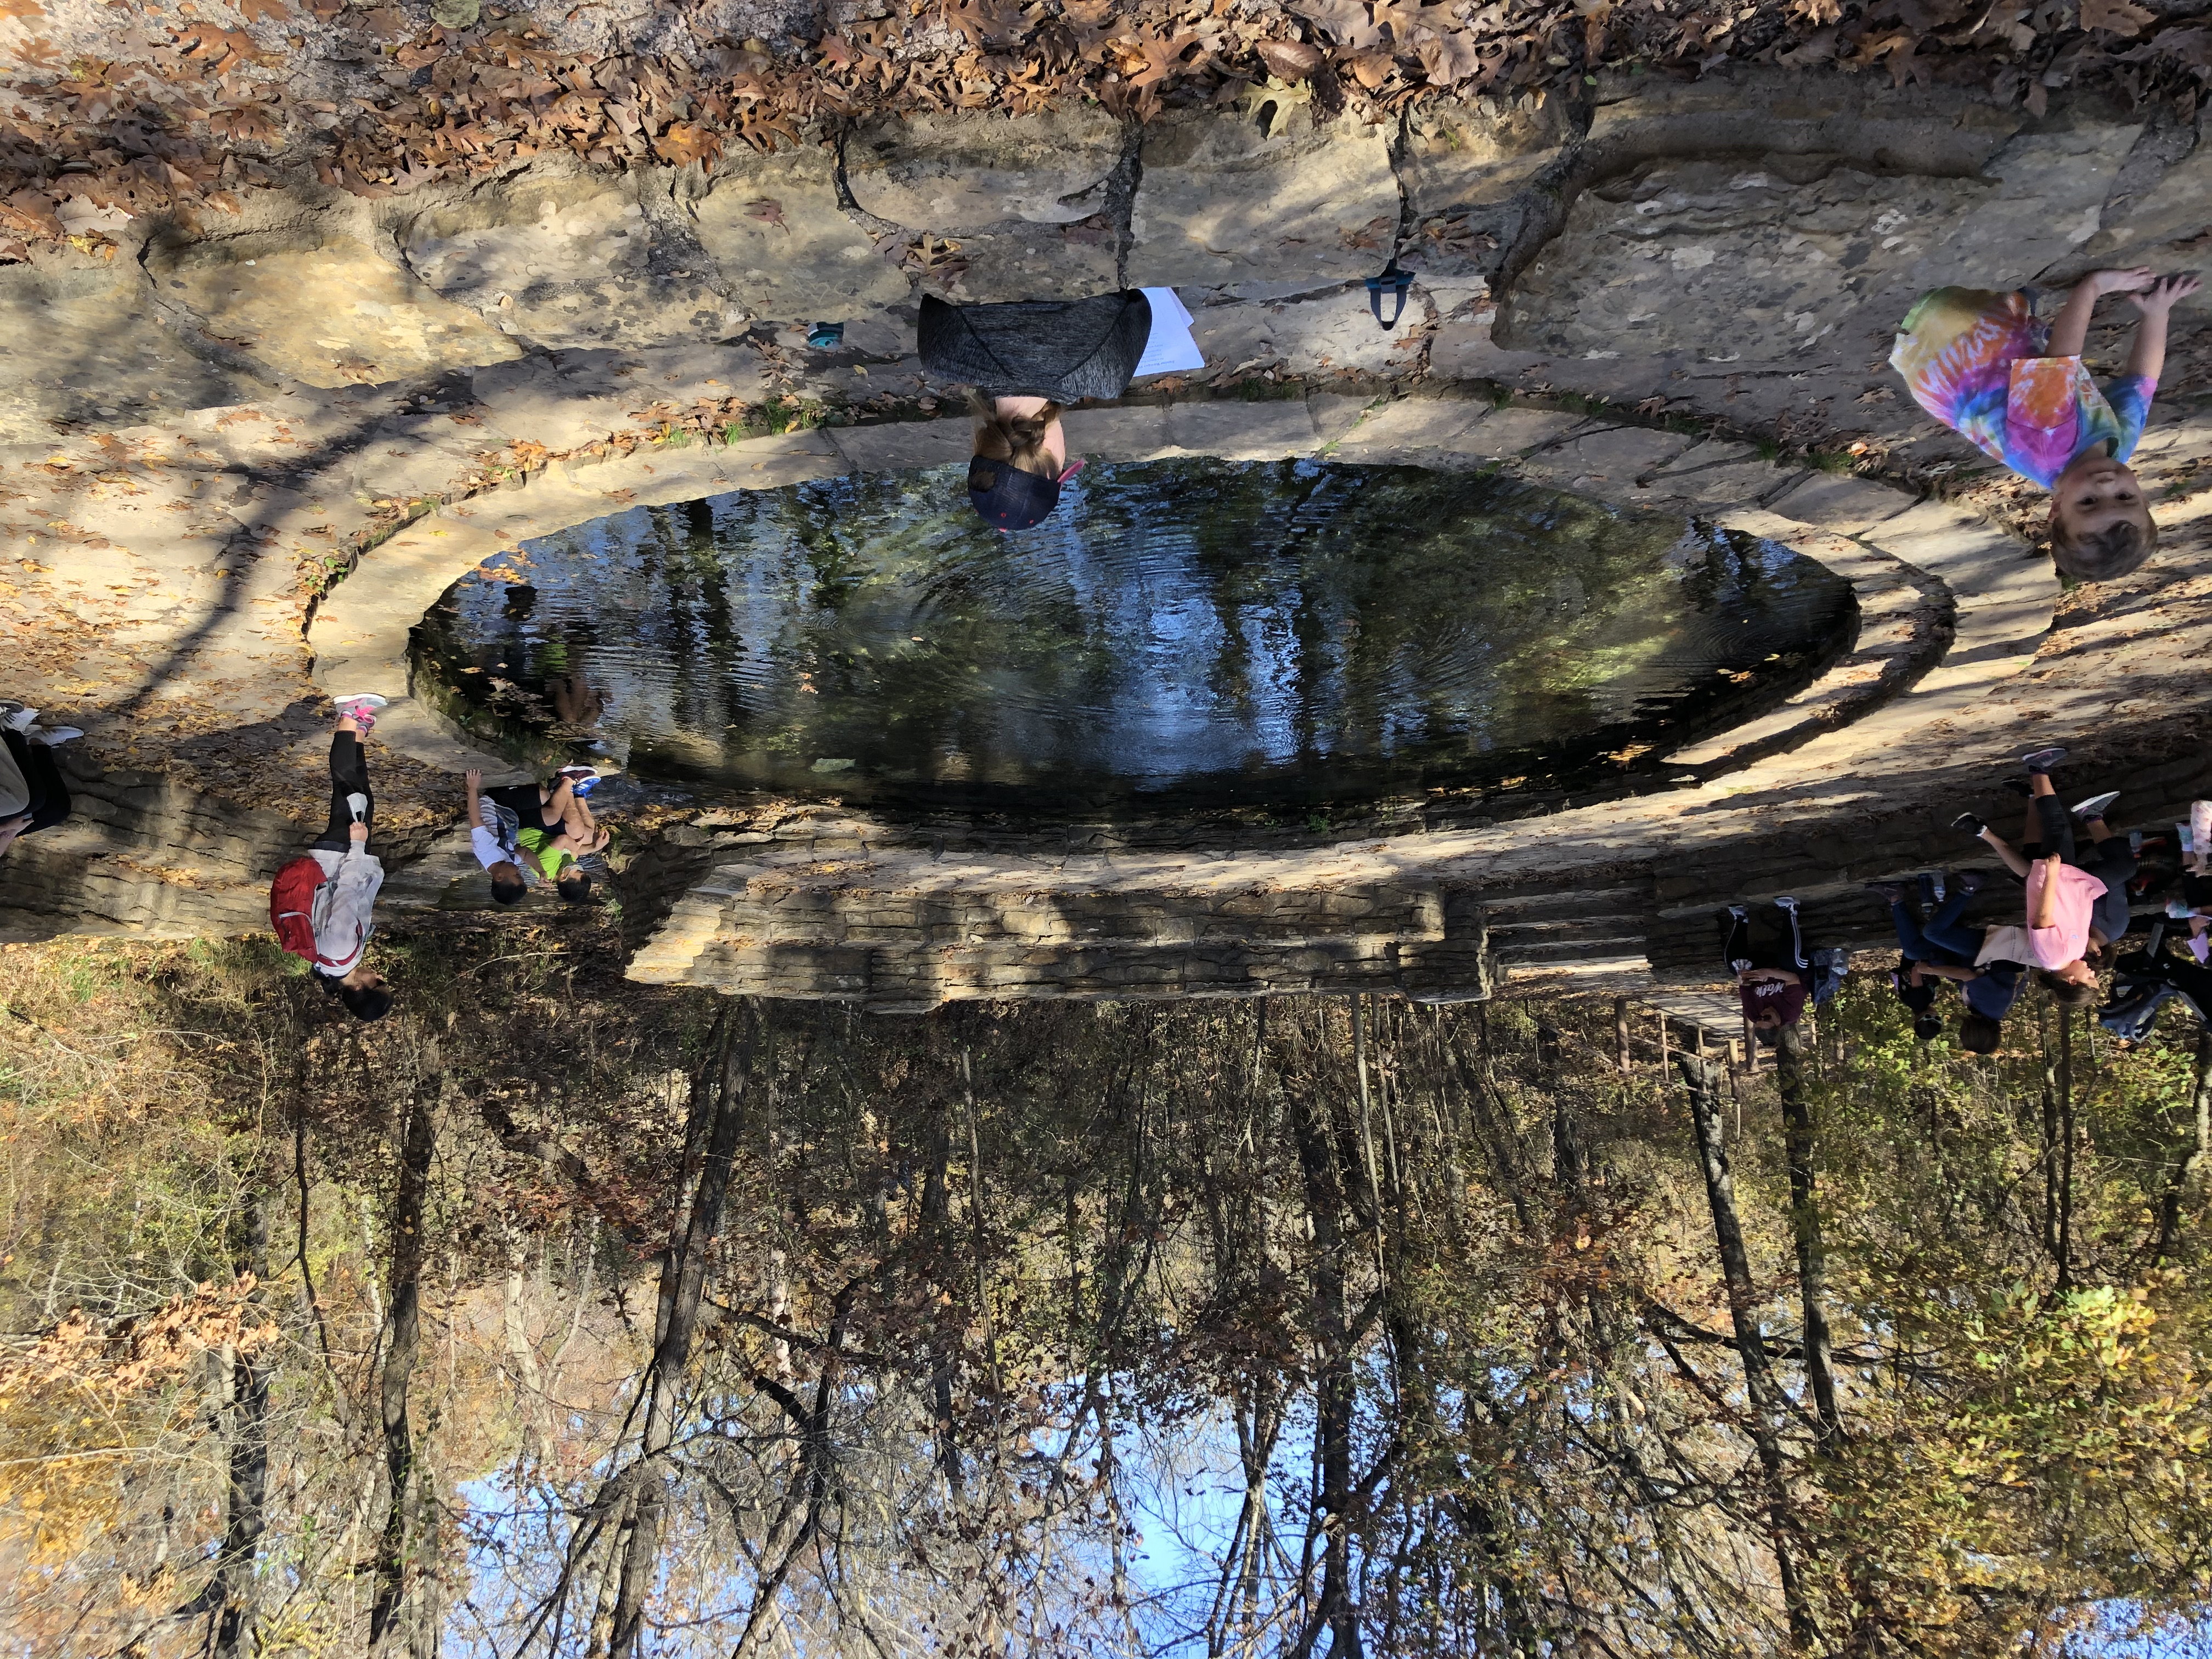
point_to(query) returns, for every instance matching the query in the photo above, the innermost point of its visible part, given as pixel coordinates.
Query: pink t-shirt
(2069, 936)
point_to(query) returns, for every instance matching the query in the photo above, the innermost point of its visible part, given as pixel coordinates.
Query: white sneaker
(360, 708)
(18, 718)
(2091, 809)
(53, 736)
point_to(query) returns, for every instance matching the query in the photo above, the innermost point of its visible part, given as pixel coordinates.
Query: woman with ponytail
(1028, 359)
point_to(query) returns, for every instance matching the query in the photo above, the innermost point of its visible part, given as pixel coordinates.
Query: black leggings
(49, 796)
(348, 777)
(521, 799)
(1762, 939)
(2056, 833)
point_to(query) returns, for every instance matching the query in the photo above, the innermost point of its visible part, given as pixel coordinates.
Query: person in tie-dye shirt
(2014, 387)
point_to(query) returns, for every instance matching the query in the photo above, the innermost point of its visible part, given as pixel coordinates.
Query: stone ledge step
(1513, 909)
(918, 978)
(1617, 947)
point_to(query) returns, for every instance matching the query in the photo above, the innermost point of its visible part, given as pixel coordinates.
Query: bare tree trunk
(2065, 1150)
(1767, 1404)
(2050, 1134)
(418, 1141)
(2188, 1167)
(229, 1593)
(717, 1119)
(1501, 1135)
(1334, 1384)
(532, 1405)
(1805, 1224)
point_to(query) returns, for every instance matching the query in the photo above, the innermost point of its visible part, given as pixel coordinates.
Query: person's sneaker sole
(1968, 822)
(2042, 760)
(53, 735)
(2094, 806)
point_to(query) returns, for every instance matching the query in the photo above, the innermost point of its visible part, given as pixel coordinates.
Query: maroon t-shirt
(1759, 996)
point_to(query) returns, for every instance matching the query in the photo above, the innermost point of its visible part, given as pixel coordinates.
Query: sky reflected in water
(1196, 631)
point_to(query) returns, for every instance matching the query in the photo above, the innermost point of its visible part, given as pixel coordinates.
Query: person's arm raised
(2070, 329)
(2046, 910)
(2147, 356)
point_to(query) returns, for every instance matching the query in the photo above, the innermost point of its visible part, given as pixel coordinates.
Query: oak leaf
(1162, 57)
(1289, 60)
(1345, 22)
(686, 141)
(27, 11)
(2120, 17)
(1448, 59)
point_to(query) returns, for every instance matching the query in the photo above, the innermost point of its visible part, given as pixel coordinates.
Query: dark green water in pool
(1179, 633)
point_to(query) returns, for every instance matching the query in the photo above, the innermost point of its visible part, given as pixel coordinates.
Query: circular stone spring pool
(1180, 634)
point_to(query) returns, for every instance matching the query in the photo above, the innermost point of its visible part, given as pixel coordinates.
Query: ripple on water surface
(1197, 632)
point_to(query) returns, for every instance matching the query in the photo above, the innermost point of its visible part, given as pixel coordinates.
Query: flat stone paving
(511, 361)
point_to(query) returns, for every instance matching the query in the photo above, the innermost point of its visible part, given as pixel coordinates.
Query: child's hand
(474, 782)
(2134, 280)
(2161, 297)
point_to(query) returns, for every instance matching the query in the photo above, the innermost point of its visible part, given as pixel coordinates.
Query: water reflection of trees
(678, 1325)
(1355, 628)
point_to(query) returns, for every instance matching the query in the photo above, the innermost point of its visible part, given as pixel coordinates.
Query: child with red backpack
(320, 904)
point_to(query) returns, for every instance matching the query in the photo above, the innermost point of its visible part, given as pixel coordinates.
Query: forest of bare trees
(559, 1316)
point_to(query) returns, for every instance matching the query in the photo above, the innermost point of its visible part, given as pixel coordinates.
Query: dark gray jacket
(1063, 349)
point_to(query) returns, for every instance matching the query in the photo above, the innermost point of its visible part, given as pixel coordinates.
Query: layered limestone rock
(570, 261)
(786, 249)
(956, 175)
(312, 303)
(1262, 198)
(1476, 152)
(85, 345)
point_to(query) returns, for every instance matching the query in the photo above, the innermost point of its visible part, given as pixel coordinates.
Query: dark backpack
(292, 908)
(2144, 980)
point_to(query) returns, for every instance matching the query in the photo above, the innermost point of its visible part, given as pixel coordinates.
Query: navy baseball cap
(1007, 497)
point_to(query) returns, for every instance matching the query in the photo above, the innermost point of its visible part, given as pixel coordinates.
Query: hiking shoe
(1971, 824)
(1785, 904)
(826, 336)
(2042, 760)
(2090, 811)
(1739, 913)
(1891, 891)
(18, 717)
(360, 708)
(53, 736)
